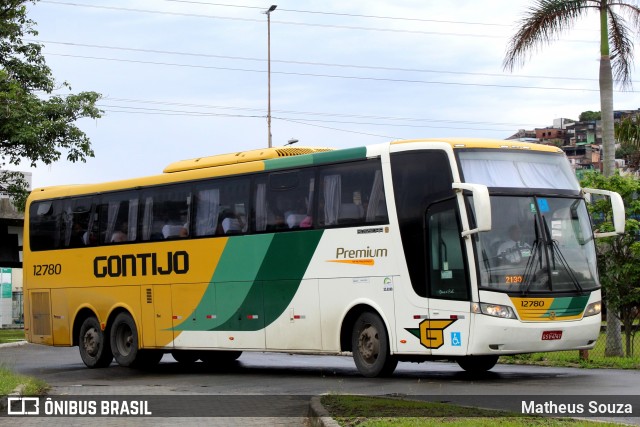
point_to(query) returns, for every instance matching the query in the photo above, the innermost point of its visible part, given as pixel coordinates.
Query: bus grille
(41, 313)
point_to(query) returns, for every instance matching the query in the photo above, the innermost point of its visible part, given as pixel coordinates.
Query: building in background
(11, 230)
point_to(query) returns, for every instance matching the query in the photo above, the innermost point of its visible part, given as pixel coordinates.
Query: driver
(514, 249)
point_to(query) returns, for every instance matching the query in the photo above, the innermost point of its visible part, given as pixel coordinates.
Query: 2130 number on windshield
(513, 279)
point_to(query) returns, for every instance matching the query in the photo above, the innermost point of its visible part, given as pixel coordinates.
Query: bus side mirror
(617, 209)
(481, 206)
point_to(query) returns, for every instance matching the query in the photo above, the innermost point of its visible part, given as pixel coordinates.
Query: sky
(185, 79)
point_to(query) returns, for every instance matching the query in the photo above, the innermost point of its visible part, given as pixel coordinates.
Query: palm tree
(544, 22)
(548, 19)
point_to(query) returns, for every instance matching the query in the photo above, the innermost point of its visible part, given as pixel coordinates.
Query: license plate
(551, 335)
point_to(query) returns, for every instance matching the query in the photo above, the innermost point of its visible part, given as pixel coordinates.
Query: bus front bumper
(492, 335)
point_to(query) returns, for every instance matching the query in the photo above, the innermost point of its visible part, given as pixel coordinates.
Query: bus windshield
(537, 245)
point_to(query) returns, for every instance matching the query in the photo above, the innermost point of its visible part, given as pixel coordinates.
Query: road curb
(13, 344)
(318, 415)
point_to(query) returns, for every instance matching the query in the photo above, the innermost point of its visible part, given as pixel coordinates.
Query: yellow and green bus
(460, 249)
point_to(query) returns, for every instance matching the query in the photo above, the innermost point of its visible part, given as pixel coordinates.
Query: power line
(322, 64)
(333, 76)
(314, 113)
(347, 27)
(350, 15)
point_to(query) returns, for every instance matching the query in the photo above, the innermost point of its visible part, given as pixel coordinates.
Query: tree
(587, 116)
(619, 257)
(546, 20)
(627, 131)
(36, 125)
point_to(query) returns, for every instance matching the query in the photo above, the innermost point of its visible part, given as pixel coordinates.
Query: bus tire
(95, 348)
(186, 357)
(370, 346)
(477, 364)
(124, 340)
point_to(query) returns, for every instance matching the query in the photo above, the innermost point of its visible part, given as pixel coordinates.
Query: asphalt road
(292, 378)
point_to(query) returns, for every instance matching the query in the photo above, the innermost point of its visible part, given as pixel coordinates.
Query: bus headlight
(593, 309)
(495, 310)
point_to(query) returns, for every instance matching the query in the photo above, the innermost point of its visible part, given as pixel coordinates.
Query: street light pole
(268, 13)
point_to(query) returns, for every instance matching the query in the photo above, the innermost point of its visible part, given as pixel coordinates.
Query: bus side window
(166, 212)
(352, 194)
(117, 219)
(221, 207)
(43, 225)
(77, 214)
(284, 200)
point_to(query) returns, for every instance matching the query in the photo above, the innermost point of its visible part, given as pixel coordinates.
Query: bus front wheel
(370, 346)
(477, 364)
(95, 349)
(124, 339)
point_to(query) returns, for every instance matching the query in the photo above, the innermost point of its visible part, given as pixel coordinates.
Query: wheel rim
(91, 342)
(369, 344)
(124, 340)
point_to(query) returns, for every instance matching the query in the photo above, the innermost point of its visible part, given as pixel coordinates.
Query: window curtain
(67, 225)
(377, 194)
(521, 172)
(261, 207)
(112, 215)
(147, 223)
(207, 211)
(332, 198)
(132, 218)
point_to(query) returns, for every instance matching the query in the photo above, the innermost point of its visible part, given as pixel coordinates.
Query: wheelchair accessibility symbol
(456, 339)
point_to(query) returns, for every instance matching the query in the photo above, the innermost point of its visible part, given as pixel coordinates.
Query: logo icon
(431, 332)
(23, 406)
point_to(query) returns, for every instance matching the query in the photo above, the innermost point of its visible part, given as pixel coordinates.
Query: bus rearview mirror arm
(481, 206)
(617, 209)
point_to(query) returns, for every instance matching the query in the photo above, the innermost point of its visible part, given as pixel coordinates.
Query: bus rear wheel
(477, 364)
(124, 340)
(95, 348)
(370, 346)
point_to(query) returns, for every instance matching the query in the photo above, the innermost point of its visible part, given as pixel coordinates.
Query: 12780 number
(47, 269)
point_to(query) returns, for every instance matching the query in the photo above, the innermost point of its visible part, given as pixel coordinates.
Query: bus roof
(241, 157)
(265, 159)
(457, 143)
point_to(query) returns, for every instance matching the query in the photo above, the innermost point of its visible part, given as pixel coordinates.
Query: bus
(412, 250)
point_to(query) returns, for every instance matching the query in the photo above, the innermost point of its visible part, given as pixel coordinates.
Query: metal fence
(18, 308)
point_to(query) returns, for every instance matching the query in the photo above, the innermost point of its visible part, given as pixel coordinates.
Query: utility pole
(268, 13)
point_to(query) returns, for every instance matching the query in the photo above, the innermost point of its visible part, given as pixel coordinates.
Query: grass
(11, 335)
(572, 358)
(367, 411)
(9, 381)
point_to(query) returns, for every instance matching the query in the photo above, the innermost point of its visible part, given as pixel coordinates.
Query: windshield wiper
(554, 248)
(535, 250)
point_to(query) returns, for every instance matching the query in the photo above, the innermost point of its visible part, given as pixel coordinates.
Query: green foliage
(618, 257)
(30, 386)
(35, 125)
(627, 131)
(587, 116)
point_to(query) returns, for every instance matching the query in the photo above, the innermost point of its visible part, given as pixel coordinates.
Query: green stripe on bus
(567, 306)
(356, 153)
(255, 281)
